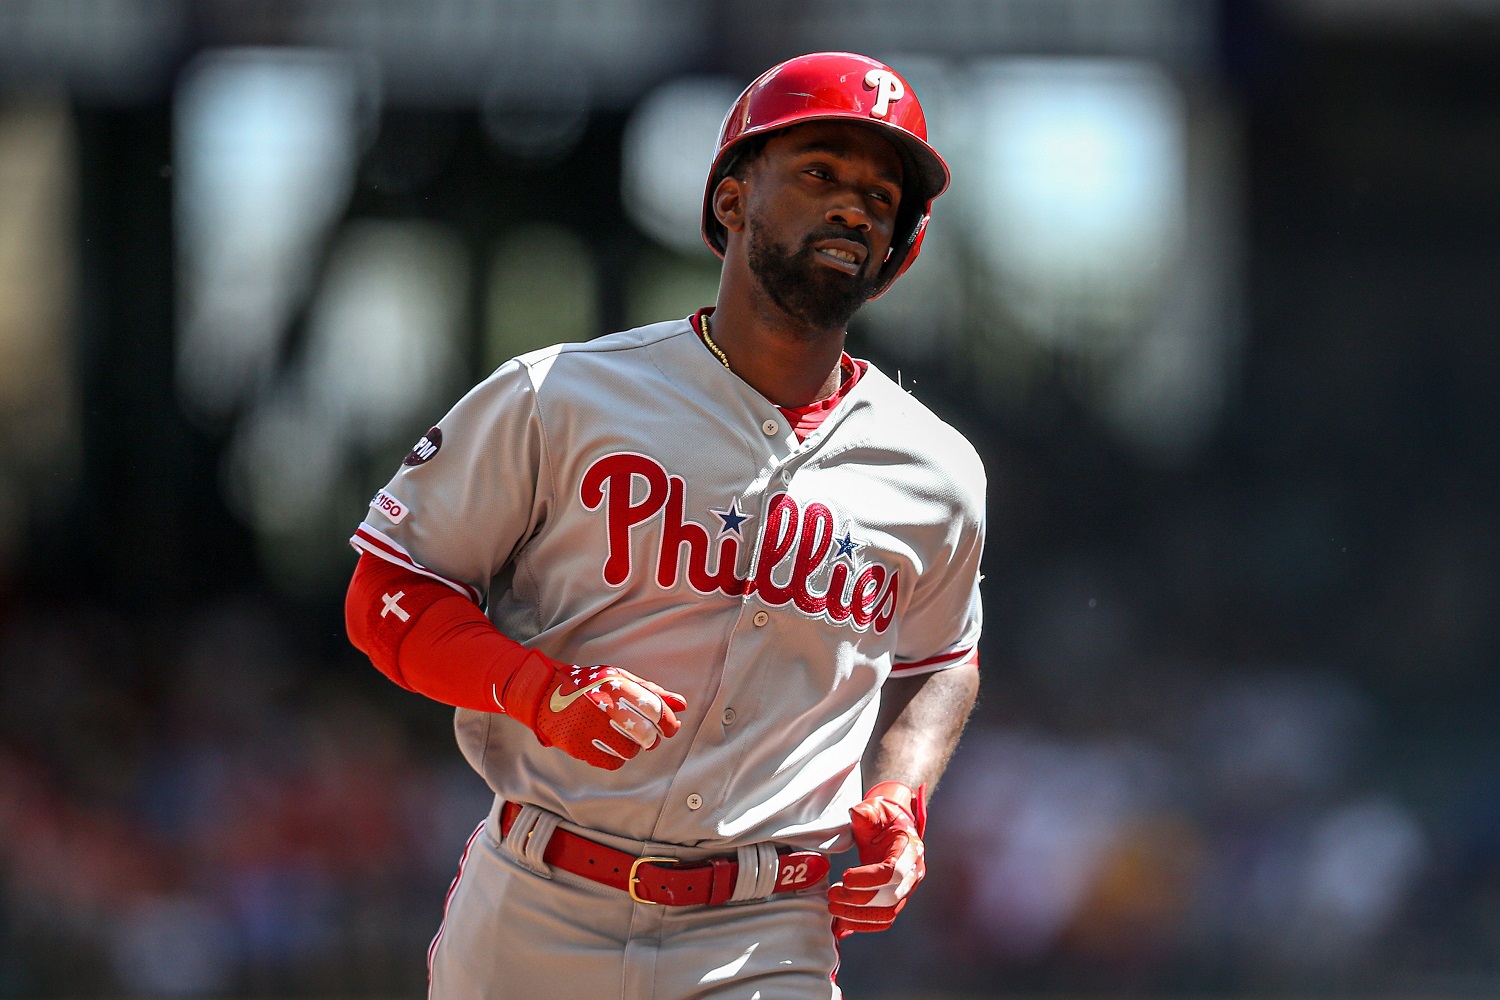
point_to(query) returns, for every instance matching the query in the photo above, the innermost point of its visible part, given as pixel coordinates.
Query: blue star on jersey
(846, 545)
(732, 518)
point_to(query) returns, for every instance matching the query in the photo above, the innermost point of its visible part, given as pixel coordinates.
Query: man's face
(821, 212)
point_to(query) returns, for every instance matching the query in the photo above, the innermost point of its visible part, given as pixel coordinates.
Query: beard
(814, 294)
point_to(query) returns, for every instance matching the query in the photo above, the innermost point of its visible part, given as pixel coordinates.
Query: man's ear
(729, 203)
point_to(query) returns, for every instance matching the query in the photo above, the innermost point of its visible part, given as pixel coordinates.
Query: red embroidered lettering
(614, 475)
(885, 610)
(812, 547)
(775, 542)
(674, 534)
(866, 587)
(676, 531)
(839, 606)
(806, 536)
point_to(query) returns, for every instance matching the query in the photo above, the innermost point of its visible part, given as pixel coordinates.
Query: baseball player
(704, 593)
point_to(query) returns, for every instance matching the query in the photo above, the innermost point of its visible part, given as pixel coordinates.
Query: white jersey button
(760, 618)
(728, 716)
(695, 801)
(770, 427)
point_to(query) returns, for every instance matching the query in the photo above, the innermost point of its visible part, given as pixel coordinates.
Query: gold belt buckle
(634, 878)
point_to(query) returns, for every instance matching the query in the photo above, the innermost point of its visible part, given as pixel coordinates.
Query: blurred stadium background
(1215, 293)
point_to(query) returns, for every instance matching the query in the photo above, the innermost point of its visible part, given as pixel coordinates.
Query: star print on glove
(606, 715)
(888, 826)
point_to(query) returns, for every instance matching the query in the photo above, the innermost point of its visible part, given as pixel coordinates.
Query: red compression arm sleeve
(429, 638)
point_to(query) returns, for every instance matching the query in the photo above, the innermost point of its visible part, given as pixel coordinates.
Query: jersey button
(760, 618)
(695, 801)
(728, 716)
(770, 427)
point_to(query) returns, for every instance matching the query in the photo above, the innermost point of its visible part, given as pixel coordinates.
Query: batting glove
(601, 715)
(888, 826)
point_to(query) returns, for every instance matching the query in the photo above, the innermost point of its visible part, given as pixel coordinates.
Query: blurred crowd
(225, 825)
(199, 808)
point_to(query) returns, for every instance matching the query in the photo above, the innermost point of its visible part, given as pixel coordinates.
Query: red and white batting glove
(888, 826)
(601, 715)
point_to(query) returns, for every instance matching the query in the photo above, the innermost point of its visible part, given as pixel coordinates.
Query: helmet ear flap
(910, 228)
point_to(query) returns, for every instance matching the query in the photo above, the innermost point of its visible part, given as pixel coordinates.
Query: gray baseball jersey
(630, 501)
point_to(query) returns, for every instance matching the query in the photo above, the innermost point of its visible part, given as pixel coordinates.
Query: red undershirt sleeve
(430, 639)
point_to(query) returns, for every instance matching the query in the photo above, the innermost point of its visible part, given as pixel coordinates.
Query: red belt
(651, 880)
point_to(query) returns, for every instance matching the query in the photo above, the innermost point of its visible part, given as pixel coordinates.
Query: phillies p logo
(888, 89)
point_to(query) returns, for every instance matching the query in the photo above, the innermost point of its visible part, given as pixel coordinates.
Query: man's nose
(848, 213)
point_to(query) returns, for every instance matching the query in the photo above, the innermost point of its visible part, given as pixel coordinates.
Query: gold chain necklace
(846, 370)
(709, 342)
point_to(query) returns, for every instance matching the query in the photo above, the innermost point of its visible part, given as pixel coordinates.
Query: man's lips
(844, 255)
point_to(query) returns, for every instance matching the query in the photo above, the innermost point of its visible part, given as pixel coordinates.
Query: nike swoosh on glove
(888, 826)
(605, 715)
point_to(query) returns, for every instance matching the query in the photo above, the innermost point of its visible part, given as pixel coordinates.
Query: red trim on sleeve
(960, 658)
(377, 543)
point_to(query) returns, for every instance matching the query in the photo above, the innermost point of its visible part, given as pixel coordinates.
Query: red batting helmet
(838, 86)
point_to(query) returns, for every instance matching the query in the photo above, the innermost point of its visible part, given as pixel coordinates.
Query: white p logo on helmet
(888, 87)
